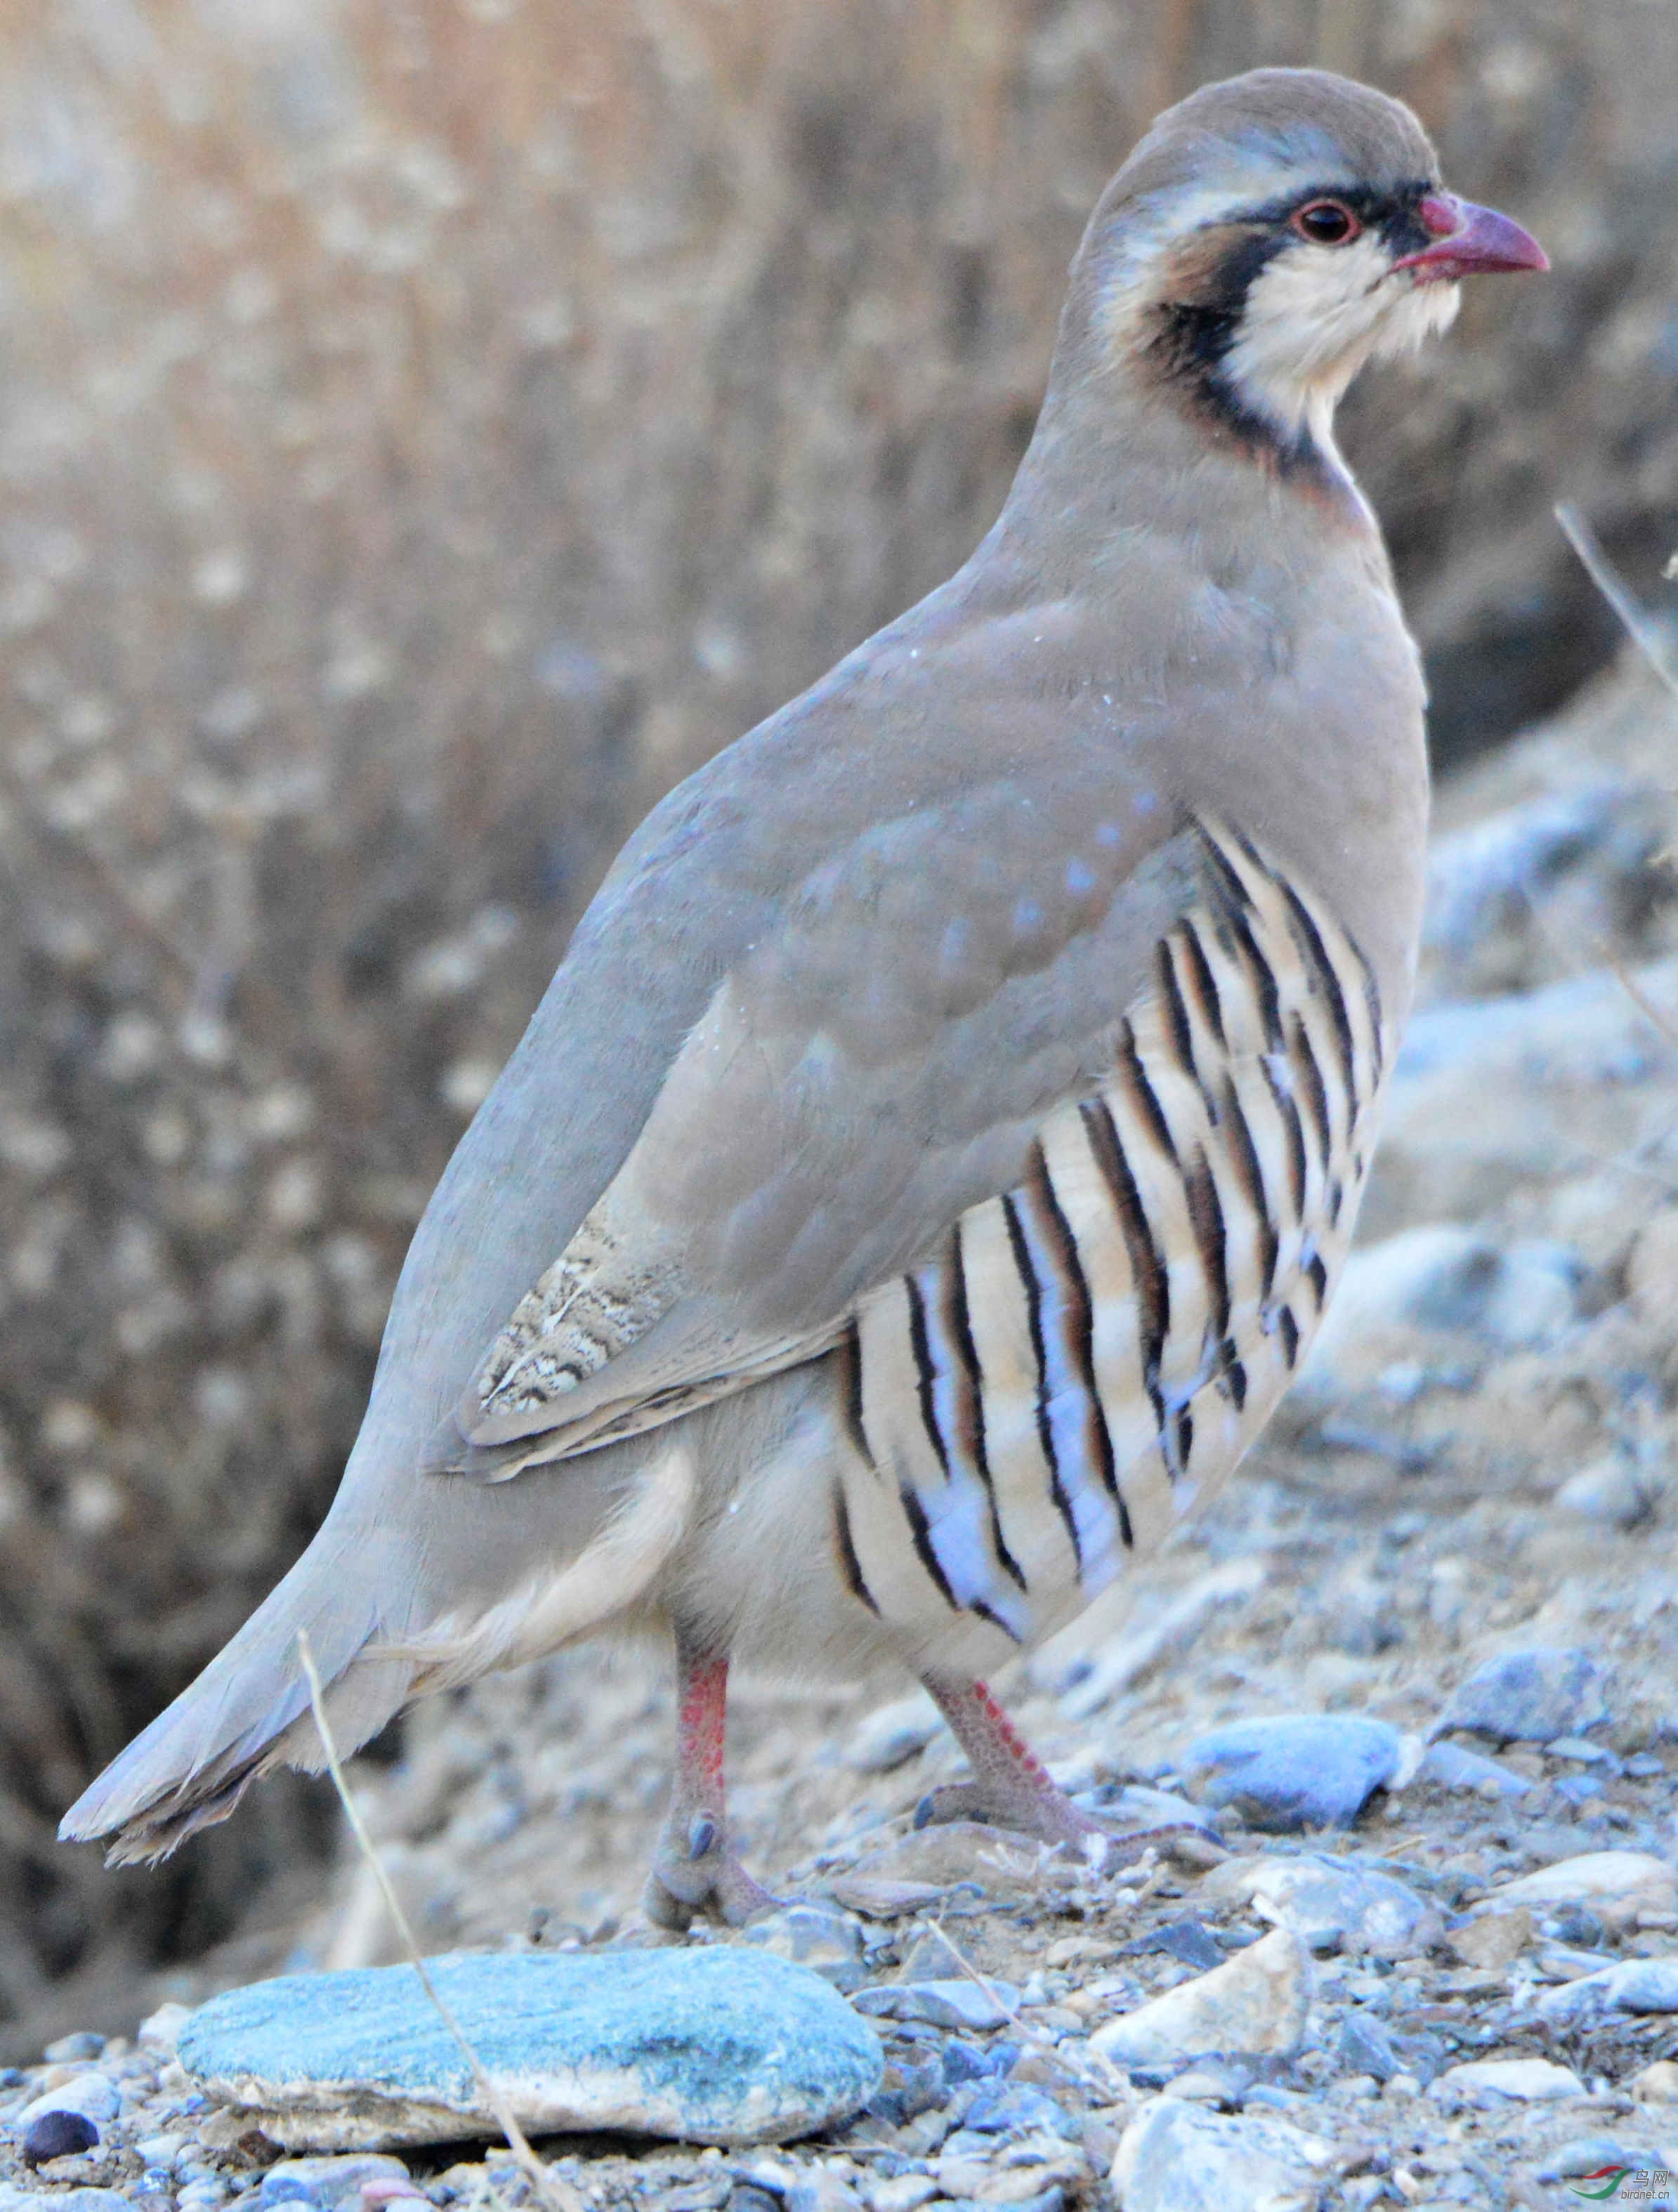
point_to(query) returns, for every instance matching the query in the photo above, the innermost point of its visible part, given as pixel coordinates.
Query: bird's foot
(1048, 1812)
(1050, 1815)
(695, 1875)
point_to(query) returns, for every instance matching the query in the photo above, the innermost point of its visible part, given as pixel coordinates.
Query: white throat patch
(1313, 317)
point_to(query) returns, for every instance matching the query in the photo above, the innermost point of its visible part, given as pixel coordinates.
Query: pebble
(1331, 1904)
(893, 1734)
(68, 2048)
(1254, 2002)
(1365, 2047)
(725, 2045)
(58, 2134)
(1524, 2081)
(1295, 1771)
(1614, 1887)
(1658, 2084)
(1494, 1939)
(160, 2149)
(904, 2192)
(160, 2031)
(1177, 2157)
(95, 2096)
(1635, 1985)
(334, 2185)
(1453, 1767)
(958, 2003)
(1529, 1697)
(1609, 1492)
(830, 1943)
(1586, 2155)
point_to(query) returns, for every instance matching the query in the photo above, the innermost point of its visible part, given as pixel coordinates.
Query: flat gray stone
(1295, 1771)
(1452, 1766)
(333, 2185)
(1331, 1904)
(957, 2003)
(95, 2096)
(1176, 2158)
(1529, 1697)
(1630, 1985)
(719, 2045)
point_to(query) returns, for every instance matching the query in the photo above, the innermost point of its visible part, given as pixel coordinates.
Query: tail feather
(391, 1611)
(249, 1711)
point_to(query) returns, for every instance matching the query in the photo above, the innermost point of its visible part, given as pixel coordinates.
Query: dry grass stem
(549, 2187)
(1643, 633)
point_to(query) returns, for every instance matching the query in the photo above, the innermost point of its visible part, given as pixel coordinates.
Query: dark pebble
(907, 2091)
(1576, 1926)
(965, 2062)
(1001, 2110)
(1190, 1942)
(58, 2135)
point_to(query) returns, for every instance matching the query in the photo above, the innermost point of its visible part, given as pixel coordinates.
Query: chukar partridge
(935, 1150)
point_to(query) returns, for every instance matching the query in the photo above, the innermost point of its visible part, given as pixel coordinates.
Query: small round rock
(58, 2135)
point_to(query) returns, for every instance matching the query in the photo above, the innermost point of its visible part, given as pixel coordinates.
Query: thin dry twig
(1643, 633)
(552, 2191)
(1638, 997)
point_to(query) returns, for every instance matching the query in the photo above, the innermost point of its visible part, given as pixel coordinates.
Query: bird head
(1268, 237)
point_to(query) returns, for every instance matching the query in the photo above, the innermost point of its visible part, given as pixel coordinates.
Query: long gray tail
(249, 1709)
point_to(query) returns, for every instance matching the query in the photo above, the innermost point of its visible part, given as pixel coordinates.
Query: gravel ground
(1479, 1466)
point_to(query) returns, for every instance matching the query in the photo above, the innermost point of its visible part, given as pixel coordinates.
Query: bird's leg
(1011, 1787)
(694, 1872)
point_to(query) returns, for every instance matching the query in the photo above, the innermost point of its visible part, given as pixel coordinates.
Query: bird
(935, 1150)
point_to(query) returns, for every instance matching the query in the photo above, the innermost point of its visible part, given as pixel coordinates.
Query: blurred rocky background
(426, 431)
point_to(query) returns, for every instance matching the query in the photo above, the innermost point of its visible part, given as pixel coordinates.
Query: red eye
(1325, 222)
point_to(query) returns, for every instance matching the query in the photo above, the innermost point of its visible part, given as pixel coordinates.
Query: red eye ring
(1325, 222)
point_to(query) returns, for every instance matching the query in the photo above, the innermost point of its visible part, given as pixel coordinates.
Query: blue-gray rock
(1190, 1942)
(71, 2050)
(332, 2184)
(1330, 1904)
(1450, 1766)
(960, 2004)
(1007, 2108)
(1587, 2155)
(1174, 2157)
(1294, 1770)
(1366, 2047)
(1630, 1985)
(815, 1935)
(1529, 1697)
(717, 2045)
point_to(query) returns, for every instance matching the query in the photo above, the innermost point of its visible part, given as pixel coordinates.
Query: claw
(701, 1835)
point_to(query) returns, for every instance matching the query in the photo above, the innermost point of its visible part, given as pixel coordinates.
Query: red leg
(693, 1869)
(1011, 1787)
